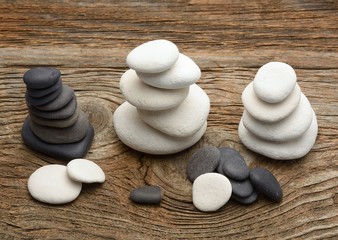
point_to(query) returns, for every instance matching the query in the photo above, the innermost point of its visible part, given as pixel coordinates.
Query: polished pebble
(56, 123)
(241, 189)
(41, 77)
(37, 93)
(43, 100)
(147, 97)
(63, 99)
(234, 165)
(288, 150)
(185, 119)
(246, 200)
(211, 191)
(265, 182)
(274, 82)
(138, 135)
(51, 184)
(62, 151)
(269, 112)
(204, 160)
(153, 56)
(147, 195)
(85, 171)
(182, 74)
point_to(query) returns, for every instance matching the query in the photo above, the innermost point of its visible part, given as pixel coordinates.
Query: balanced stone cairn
(55, 125)
(165, 111)
(278, 120)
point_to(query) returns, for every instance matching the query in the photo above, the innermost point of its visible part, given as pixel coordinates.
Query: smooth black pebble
(265, 182)
(37, 93)
(41, 77)
(246, 200)
(204, 160)
(62, 151)
(234, 165)
(241, 188)
(146, 195)
(42, 100)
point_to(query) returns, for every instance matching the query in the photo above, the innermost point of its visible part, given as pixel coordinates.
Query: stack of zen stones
(165, 111)
(55, 125)
(278, 120)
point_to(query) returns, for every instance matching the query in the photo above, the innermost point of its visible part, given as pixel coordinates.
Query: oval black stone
(234, 165)
(241, 188)
(60, 101)
(37, 93)
(265, 182)
(41, 77)
(246, 200)
(204, 160)
(146, 195)
(43, 100)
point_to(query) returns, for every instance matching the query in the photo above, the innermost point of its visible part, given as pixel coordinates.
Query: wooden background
(89, 41)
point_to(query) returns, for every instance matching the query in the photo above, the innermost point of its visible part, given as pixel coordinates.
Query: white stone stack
(165, 111)
(278, 120)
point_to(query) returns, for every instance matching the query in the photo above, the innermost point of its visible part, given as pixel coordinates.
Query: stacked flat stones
(165, 111)
(278, 120)
(219, 174)
(55, 125)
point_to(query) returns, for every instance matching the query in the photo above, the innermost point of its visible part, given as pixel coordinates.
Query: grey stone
(241, 188)
(41, 77)
(42, 100)
(204, 160)
(71, 134)
(265, 182)
(246, 200)
(146, 195)
(234, 165)
(37, 93)
(65, 112)
(65, 97)
(219, 168)
(62, 151)
(56, 123)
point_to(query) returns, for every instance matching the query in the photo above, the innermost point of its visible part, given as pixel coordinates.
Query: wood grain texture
(89, 41)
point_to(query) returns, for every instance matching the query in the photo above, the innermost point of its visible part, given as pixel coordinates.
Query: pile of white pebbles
(165, 111)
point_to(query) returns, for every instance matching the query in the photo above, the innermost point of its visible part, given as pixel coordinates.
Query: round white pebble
(269, 112)
(274, 82)
(144, 96)
(185, 119)
(138, 135)
(153, 57)
(182, 74)
(293, 149)
(210, 191)
(85, 171)
(288, 128)
(51, 184)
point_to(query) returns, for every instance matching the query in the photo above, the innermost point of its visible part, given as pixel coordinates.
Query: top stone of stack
(41, 77)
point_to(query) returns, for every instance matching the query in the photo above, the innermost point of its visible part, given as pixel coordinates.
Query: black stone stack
(55, 125)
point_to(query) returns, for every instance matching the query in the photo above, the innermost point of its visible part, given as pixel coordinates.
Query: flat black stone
(37, 93)
(265, 182)
(41, 77)
(56, 123)
(65, 112)
(246, 200)
(62, 100)
(204, 160)
(234, 166)
(146, 195)
(70, 134)
(241, 189)
(61, 151)
(42, 100)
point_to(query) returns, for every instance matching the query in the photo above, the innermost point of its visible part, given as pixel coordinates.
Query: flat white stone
(288, 128)
(293, 149)
(153, 56)
(274, 82)
(85, 171)
(185, 119)
(269, 112)
(146, 97)
(138, 135)
(210, 191)
(182, 74)
(51, 184)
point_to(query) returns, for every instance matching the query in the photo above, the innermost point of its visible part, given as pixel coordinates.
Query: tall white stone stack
(165, 111)
(278, 120)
